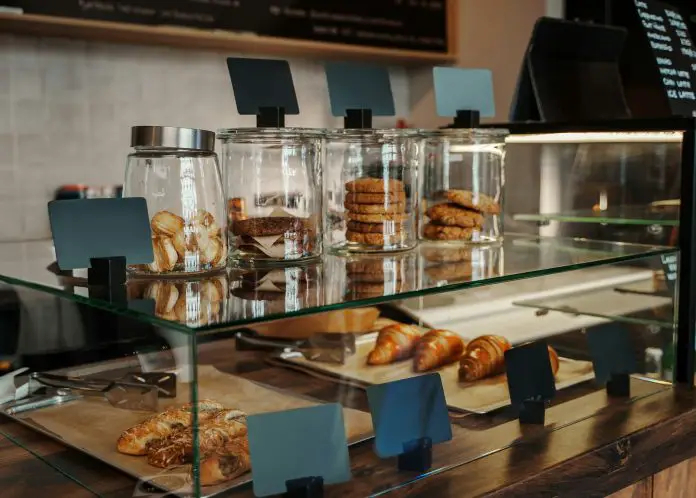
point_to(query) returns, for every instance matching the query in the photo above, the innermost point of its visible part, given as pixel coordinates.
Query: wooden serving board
(481, 397)
(92, 425)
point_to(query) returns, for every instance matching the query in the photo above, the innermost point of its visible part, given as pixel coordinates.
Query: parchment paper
(481, 396)
(93, 425)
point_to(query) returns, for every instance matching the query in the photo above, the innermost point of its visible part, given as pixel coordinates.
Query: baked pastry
(135, 441)
(165, 254)
(270, 225)
(166, 223)
(374, 239)
(388, 227)
(377, 218)
(214, 432)
(468, 199)
(226, 462)
(396, 207)
(379, 198)
(555, 362)
(483, 357)
(441, 232)
(453, 215)
(375, 185)
(394, 343)
(437, 348)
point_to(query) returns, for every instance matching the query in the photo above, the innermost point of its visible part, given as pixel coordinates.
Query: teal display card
(296, 444)
(359, 86)
(100, 228)
(261, 83)
(459, 89)
(406, 410)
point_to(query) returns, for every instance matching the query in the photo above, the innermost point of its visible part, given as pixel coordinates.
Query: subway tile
(5, 116)
(29, 116)
(7, 151)
(32, 151)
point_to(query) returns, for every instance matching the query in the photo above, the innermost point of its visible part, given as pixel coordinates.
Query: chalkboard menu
(403, 24)
(669, 39)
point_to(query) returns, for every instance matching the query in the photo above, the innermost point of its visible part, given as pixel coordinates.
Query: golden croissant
(437, 348)
(555, 362)
(394, 343)
(484, 357)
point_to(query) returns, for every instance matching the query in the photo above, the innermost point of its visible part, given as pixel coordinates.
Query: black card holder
(530, 379)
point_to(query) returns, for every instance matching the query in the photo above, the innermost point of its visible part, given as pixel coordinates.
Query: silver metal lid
(171, 137)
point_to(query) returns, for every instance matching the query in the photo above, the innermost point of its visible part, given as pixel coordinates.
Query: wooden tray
(92, 425)
(481, 397)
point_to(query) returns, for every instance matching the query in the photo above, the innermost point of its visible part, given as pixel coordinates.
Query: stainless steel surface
(40, 402)
(171, 137)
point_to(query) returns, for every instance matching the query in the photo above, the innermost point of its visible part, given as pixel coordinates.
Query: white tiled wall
(66, 108)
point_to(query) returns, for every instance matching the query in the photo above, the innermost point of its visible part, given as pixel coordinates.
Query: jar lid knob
(171, 137)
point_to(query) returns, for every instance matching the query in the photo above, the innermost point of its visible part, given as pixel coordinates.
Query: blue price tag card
(359, 86)
(100, 228)
(529, 373)
(308, 442)
(612, 351)
(406, 410)
(262, 83)
(458, 89)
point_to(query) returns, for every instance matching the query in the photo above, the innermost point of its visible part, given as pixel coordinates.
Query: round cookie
(479, 202)
(373, 239)
(453, 215)
(375, 208)
(377, 218)
(446, 254)
(375, 185)
(450, 271)
(441, 232)
(381, 198)
(388, 227)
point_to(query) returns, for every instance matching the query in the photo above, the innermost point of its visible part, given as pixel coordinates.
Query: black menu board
(668, 36)
(404, 24)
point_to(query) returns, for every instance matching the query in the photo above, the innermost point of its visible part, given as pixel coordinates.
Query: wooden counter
(579, 453)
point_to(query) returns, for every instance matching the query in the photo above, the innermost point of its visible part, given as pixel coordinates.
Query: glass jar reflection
(445, 265)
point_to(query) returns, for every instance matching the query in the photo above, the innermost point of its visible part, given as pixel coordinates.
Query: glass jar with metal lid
(463, 186)
(371, 189)
(177, 172)
(273, 178)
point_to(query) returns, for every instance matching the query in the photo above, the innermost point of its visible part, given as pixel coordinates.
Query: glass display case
(178, 368)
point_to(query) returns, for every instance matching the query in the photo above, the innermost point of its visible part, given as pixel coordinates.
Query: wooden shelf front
(192, 38)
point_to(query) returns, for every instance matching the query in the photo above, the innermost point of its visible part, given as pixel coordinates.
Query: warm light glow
(598, 137)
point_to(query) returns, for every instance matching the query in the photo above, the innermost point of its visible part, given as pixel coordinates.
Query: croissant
(394, 343)
(437, 348)
(484, 357)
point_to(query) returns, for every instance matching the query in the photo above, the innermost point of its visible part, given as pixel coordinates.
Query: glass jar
(463, 186)
(274, 200)
(371, 184)
(177, 172)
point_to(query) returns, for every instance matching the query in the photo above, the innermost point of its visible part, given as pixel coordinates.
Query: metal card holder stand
(106, 278)
(530, 381)
(305, 487)
(417, 455)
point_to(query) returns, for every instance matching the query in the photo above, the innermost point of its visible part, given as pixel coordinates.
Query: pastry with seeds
(375, 185)
(454, 215)
(468, 199)
(375, 208)
(381, 198)
(441, 232)
(387, 227)
(374, 239)
(377, 218)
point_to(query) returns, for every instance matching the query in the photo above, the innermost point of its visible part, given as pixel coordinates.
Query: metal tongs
(135, 391)
(325, 348)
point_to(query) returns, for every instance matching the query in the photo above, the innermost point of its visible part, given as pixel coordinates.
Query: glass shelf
(626, 215)
(637, 303)
(240, 297)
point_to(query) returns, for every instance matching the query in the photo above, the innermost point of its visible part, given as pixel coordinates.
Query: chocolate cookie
(479, 202)
(381, 198)
(375, 185)
(374, 239)
(441, 232)
(375, 208)
(454, 215)
(269, 225)
(377, 218)
(388, 227)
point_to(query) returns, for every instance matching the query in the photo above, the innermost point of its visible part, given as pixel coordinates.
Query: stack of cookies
(275, 237)
(376, 276)
(376, 212)
(461, 218)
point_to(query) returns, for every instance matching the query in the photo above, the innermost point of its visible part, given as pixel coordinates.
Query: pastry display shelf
(625, 215)
(635, 303)
(520, 256)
